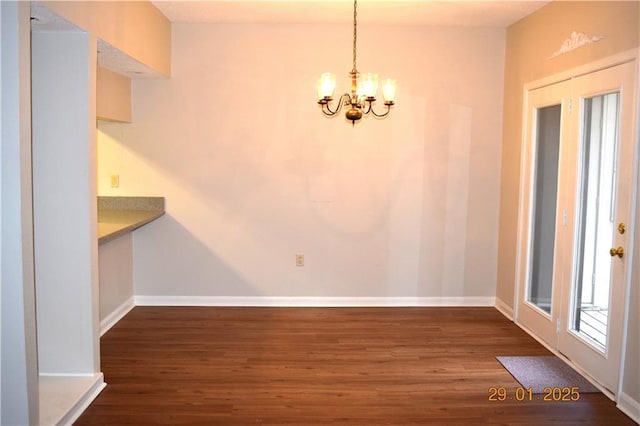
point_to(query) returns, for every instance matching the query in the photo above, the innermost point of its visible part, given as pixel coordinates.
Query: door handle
(617, 252)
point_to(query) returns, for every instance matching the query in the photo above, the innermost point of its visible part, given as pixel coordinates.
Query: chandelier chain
(355, 33)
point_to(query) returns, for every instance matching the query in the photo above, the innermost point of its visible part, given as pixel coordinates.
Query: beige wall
(631, 385)
(253, 173)
(113, 96)
(136, 28)
(530, 43)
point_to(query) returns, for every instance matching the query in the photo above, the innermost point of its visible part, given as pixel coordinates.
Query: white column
(19, 391)
(65, 210)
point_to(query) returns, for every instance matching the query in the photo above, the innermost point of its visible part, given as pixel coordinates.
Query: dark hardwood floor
(303, 366)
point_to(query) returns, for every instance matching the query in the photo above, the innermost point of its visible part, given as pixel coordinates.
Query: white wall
(116, 277)
(253, 173)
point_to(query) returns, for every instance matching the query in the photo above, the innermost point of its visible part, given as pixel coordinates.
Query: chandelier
(363, 88)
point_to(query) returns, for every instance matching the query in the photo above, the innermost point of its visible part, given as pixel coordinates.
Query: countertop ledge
(120, 215)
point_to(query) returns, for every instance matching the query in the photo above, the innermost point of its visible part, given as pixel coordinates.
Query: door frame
(608, 62)
(541, 323)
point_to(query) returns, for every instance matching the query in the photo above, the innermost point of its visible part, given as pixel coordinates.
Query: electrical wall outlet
(299, 259)
(115, 181)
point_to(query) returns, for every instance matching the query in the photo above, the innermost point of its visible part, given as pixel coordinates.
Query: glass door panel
(545, 192)
(596, 220)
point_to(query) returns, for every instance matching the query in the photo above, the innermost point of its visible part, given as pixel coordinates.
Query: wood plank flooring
(313, 366)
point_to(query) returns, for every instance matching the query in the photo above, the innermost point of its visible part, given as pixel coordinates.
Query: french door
(576, 217)
(541, 227)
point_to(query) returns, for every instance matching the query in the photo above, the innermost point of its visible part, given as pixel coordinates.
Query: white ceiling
(393, 12)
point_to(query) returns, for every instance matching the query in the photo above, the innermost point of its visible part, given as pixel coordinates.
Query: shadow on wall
(214, 275)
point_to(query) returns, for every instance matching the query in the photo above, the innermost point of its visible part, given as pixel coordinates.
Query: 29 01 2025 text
(550, 394)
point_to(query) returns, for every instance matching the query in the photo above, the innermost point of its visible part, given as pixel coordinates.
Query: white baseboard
(504, 309)
(115, 316)
(311, 301)
(630, 407)
(84, 402)
(63, 398)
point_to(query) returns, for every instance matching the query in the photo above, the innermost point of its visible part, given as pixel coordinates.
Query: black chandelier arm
(369, 105)
(326, 109)
(372, 111)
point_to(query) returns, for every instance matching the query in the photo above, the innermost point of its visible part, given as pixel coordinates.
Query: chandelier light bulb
(326, 85)
(369, 84)
(389, 91)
